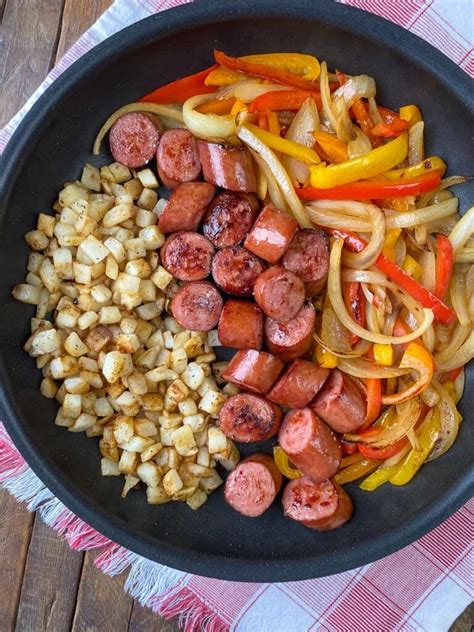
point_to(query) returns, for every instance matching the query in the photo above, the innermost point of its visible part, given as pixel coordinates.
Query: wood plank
(144, 620)
(78, 15)
(15, 530)
(50, 582)
(102, 604)
(28, 41)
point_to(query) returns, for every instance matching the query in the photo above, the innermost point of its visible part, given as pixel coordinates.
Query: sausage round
(227, 166)
(252, 486)
(248, 418)
(186, 207)
(178, 158)
(340, 403)
(235, 270)
(299, 384)
(279, 293)
(271, 234)
(292, 339)
(133, 140)
(310, 444)
(229, 218)
(241, 325)
(321, 506)
(197, 306)
(256, 371)
(187, 256)
(308, 257)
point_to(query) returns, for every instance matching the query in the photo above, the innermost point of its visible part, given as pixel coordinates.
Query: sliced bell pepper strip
(238, 107)
(444, 265)
(283, 463)
(355, 303)
(420, 359)
(283, 100)
(359, 111)
(433, 163)
(334, 148)
(380, 454)
(412, 267)
(442, 312)
(355, 471)
(410, 113)
(278, 75)
(218, 106)
(374, 401)
(325, 359)
(369, 165)
(263, 122)
(285, 146)
(391, 238)
(181, 89)
(222, 76)
(378, 478)
(273, 124)
(383, 354)
(451, 376)
(374, 189)
(350, 459)
(392, 124)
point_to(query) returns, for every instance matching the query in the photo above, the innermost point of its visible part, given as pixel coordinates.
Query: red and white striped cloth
(423, 587)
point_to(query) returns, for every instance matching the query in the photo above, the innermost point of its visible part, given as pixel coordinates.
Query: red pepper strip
(451, 376)
(442, 312)
(375, 189)
(374, 401)
(265, 72)
(181, 89)
(355, 303)
(392, 124)
(444, 266)
(348, 448)
(283, 100)
(382, 453)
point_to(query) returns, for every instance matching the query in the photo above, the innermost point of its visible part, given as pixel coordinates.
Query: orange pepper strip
(374, 401)
(380, 454)
(262, 122)
(334, 148)
(392, 124)
(283, 100)
(265, 72)
(218, 106)
(181, 89)
(419, 358)
(360, 112)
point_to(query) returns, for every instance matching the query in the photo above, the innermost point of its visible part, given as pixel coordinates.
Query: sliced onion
(360, 145)
(167, 111)
(416, 149)
(359, 350)
(364, 276)
(374, 247)
(328, 213)
(212, 127)
(333, 333)
(464, 354)
(452, 181)
(422, 215)
(274, 192)
(360, 86)
(343, 120)
(374, 113)
(448, 414)
(364, 369)
(463, 230)
(422, 381)
(459, 297)
(326, 96)
(458, 338)
(428, 266)
(301, 130)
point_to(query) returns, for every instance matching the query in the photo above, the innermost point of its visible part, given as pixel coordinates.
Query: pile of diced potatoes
(119, 366)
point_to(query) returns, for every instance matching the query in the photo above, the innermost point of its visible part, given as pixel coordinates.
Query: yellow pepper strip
(223, 76)
(391, 238)
(420, 359)
(238, 106)
(335, 149)
(383, 354)
(412, 268)
(369, 165)
(378, 478)
(273, 123)
(284, 464)
(428, 435)
(428, 164)
(351, 459)
(326, 359)
(356, 470)
(285, 146)
(410, 113)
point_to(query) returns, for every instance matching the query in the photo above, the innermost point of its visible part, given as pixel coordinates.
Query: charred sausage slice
(248, 418)
(340, 403)
(241, 325)
(235, 270)
(271, 234)
(279, 293)
(292, 339)
(308, 257)
(133, 140)
(256, 371)
(178, 158)
(227, 166)
(197, 306)
(186, 207)
(299, 384)
(187, 256)
(229, 218)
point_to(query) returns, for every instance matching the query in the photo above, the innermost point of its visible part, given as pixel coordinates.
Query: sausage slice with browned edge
(133, 140)
(321, 506)
(187, 256)
(197, 306)
(235, 270)
(186, 207)
(271, 234)
(229, 218)
(249, 418)
(178, 158)
(292, 339)
(308, 257)
(299, 384)
(310, 444)
(341, 403)
(241, 325)
(227, 166)
(256, 371)
(252, 486)
(279, 293)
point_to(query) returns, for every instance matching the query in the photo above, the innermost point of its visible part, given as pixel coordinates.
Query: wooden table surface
(44, 586)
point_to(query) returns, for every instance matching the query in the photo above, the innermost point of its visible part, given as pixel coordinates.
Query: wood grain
(56, 570)
(77, 16)
(145, 620)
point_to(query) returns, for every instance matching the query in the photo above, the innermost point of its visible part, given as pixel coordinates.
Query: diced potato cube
(161, 278)
(166, 436)
(118, 214)
(82, 273)
(148, 473)
(177, 391)
(210, 483)
(196, 500)
(123, 429)
(91, 177)
(71, 193)
(72, 406)
(157, 495)
(145, 217)
(128, 462)
(85, 225)
(230, 457)
(131, 481)
(94, 249)
(36, 240)
(127, 283)
(126, 343)
(116, 365)
(152, 402)
(147, 200)
(102, 407)
(75, 346)
(150, 452)
(87, 319)
(116, 249)
(194, 347)
(183, 441)
(48, 388)
(83, 422)
(217, 441)
(76, 385)
(148, 179)
(45, 341)
(48, 275)
(195, 422)
(187, 407)
(63, 367)
(152, 237)
(98, 337)
(109, 468)
(26, 293)
(138, 268)
(160, 374)
(128, 325)
(137, 444)
(148, 311)
(193, 376)
(203, 457)
(101, 293)
(172, 482)
(109, 315)
(133, 187)
(145, 428)
(120, 172)
(111, 268)
(46, 224)
(212, 402)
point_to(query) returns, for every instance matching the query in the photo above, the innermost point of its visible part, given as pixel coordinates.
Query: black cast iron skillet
(50, 148)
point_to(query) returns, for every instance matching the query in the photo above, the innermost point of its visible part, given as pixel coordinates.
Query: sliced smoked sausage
(241, 325)
(292, 339)
(271, 234)
(255, 371)
(248, 418)
(133, 140)
(229, 218)
(186, 207)
(178, 158)
(252, 486)
(197, 306)
(340, 403)
(310, 444)
(235, 270)
(187, 256)
(299, 384)
(279, 293)
(227, 166)
(308, 257)
(321, 506)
